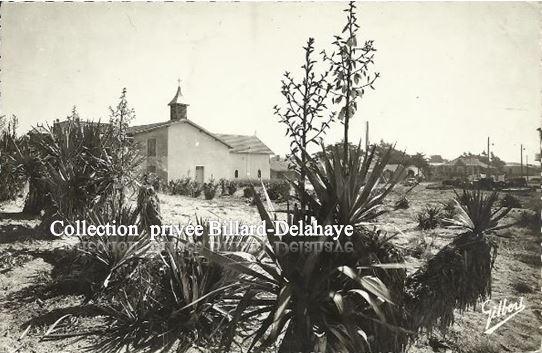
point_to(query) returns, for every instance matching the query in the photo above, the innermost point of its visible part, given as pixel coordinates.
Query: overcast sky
(452, 73)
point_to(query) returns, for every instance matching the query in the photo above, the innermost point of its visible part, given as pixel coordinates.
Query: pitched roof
(468, 162)
(245, 144)
(237, 143)
(148, 127)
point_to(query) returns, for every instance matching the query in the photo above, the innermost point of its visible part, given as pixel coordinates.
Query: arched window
(259, 173)
(236, 174)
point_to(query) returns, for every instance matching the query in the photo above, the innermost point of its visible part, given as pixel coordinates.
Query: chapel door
(199, 174)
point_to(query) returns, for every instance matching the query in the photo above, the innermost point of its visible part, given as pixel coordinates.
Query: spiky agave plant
(11, 178)
(113, 252)
(477, 212)
(226, 244)
(177, 302)
(348, 191)
(28, 164)
(460, 274)
(79, 168)
(429, 217)
(316, 299)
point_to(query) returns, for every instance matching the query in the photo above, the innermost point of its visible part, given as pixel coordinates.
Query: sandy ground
(27, 265)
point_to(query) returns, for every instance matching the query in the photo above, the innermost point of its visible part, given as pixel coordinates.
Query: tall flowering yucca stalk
(305, 109)
(317, 300)
(350, 64)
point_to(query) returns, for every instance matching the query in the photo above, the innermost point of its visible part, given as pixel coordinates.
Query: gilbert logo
(499, 314)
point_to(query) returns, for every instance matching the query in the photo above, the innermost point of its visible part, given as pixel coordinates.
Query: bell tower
(177, 107)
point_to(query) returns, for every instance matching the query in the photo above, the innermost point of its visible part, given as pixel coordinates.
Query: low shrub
(197, 189)
(181, 186)
(223, 183)
(227, 187)
(247, 192)
(530, 220)
(209, 189)
(510, 201)
(402, 204)
(278, 189)
(232, 188)
(429, 217)
(449, 209)
(185, 187)
(522, 287)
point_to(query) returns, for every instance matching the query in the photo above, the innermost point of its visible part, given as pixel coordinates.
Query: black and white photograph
(270, 177)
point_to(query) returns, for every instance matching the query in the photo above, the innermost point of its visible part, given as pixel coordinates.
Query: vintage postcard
(270, 177)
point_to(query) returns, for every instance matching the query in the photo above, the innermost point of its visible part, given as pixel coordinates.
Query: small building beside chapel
(179, 148)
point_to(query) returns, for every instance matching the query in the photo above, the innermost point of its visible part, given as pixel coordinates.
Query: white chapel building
(179, 148)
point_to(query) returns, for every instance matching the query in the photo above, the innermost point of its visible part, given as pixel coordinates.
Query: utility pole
(527, 166)
(521, 159)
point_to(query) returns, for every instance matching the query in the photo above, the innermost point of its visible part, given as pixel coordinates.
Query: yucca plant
(347, 191)
(227, 244)
(403, 202)
(176, 304)
(11, 180)
(112, 252)
(449, 209)
(459, 275)
(478, 213)
(79, 166)
(27, 163)
(429, 217)
(317, 300)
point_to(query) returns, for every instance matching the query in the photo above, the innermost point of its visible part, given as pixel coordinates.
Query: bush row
(277, 189)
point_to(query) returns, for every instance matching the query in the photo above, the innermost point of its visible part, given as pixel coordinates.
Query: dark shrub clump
(278, 189)
(510, 201)
(209, 189)
(429, 217)
(402, 204)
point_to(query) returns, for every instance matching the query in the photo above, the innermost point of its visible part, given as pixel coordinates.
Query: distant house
(179, 148)
(462, 167)
(280, 168)
(516, 170)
